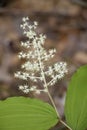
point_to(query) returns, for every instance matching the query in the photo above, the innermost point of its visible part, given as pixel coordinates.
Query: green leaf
(20, 113)
(76, 100)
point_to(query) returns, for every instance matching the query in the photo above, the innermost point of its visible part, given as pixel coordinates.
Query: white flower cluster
(26, 89)
(34, 68)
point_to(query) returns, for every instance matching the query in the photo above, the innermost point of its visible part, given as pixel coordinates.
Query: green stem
(51, 99)
(65, 124)
(45, 85)
(57, 111)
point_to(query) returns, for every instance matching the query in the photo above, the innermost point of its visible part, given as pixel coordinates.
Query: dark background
(65, 24)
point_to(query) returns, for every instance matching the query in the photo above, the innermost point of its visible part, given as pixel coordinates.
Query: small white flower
(21, 87)
(26, 91)
(24, 19)
(35, 23)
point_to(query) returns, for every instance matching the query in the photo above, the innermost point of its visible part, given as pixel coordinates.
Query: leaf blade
(76, 100)
(19, 113)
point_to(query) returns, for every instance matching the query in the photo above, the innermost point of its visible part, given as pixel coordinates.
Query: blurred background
(65, 24)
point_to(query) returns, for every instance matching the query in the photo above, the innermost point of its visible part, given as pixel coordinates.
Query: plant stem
(65, 124)
(51, 99)
(57, 111)
(45, 85)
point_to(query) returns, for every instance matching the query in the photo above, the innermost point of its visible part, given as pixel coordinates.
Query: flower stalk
(34, 69)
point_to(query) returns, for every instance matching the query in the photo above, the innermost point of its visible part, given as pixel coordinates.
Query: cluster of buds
(35, 68)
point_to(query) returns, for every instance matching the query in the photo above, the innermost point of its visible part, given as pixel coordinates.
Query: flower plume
(35, 68)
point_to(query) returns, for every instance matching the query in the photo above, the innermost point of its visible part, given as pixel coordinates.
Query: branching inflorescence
(35, 68)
